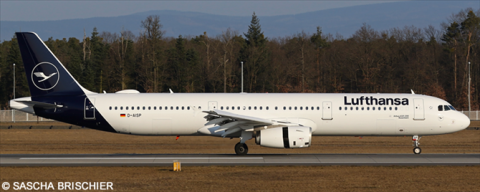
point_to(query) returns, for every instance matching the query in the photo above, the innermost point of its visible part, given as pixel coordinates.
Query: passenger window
(188, 108)
(238, 107)
(233, 108)
(362, 108)
(171, 108)
(306, 108)
(346, 108)
(143, 107)
(318, 108)
(121, 108)
(290, 108)
(115, 107)
(284, 108)
(295, 108)
(373, 108)
(148, 107)
(379, 108)
(249, 108)
(199, 107)
(390, 108)
(266, 107)
(221, 107)
(110, 107)
(340, 108)
(351, 108)
(312, 108)
(276, 108)
(126, 108)
(368, 108)
(138, 107)
(255, 107)
(396, 108)
(155, 108)
(260, 107)
(384, 108)
(160, 108)
(177, 107)
(183, 107)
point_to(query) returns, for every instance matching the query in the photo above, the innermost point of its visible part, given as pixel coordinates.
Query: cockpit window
(440, 108)
(452, 108)
(446, 108)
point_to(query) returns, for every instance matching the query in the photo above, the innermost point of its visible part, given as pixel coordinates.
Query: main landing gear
(417, 149)
(241, 148)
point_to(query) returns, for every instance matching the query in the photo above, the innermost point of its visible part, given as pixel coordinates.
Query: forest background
(427, 60)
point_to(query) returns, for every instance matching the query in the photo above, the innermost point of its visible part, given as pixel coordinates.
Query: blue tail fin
(45, 73)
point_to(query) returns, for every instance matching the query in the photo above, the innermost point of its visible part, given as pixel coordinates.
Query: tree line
(427, 60)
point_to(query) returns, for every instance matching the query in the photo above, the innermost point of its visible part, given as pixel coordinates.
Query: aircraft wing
(218, 113)
(225, 123)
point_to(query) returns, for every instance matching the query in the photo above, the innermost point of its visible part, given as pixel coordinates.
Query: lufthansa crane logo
(45, 76)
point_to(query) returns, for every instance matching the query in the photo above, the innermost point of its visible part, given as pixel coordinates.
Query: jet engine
(284, 137)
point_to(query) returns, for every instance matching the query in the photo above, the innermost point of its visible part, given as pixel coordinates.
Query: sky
(42, 10)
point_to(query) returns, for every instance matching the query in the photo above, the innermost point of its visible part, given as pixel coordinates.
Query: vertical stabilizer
(45, 73)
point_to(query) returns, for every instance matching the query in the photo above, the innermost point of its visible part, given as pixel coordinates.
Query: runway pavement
(231, 160)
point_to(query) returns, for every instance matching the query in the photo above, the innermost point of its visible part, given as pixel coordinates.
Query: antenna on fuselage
(171, 92)
(242, 76)
(413, 93)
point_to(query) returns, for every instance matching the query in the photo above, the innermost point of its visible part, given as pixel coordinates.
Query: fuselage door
(419, 112)
(327, 110)
(89, 108)
(212, 105)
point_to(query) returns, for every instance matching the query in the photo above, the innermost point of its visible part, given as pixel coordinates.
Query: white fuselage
(327, 114)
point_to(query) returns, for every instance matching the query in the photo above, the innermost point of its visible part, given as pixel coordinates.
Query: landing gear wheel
(416, 144)
(417, 150)
(241, 149)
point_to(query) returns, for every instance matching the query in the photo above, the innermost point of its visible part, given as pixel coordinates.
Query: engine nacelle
(284, 137)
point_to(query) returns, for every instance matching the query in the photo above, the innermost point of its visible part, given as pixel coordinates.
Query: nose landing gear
(416, 144)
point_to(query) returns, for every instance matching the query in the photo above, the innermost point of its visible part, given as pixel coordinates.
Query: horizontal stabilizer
(26, 104)
(39, 104)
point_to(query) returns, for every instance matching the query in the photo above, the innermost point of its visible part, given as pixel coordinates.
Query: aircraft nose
(464, 121)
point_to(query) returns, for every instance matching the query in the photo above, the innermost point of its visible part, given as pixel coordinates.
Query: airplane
(276, 120)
